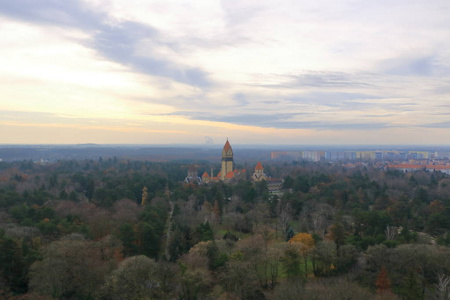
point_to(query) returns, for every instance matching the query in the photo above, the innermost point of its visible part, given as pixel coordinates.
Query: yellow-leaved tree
(305, 243)
(144, 196)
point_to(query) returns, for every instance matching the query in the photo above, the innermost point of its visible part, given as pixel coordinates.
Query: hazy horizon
(279, 147)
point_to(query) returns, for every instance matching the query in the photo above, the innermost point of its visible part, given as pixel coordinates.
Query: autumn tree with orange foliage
(305, 239)
(305, 242)
(383, 282)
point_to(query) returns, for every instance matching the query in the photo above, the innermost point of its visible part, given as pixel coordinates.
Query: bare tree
(140, 277)
(443, 287)
(72, 267)
(284, 212)
(259, 215)
(390, 232)
(126, 211)
(321, 218)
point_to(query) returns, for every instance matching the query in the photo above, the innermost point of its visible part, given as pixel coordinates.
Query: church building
(227, 161)
(227, 172)
(259, 174)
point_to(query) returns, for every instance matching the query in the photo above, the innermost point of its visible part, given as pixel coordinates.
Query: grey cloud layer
(283, 120)
(279, 101)
(114, 42)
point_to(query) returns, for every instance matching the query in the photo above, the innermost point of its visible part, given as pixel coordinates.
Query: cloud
(287, 121)
(209, 140)
(437, 125)
(71, 13)
(417, 66)
(336, 99)
(327, 79)
(116, 41)
(275, 67)
(119, 43)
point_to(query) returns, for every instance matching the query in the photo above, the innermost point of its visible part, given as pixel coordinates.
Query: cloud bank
(285, 71)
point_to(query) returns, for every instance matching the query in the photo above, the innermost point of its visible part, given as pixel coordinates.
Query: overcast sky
(267, 72)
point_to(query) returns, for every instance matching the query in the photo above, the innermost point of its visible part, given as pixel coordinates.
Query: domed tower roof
(227, 150)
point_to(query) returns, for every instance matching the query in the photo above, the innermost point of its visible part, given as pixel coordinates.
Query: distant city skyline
(257, 72)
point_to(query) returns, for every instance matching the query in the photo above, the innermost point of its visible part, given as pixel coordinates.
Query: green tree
(12, 265)
(128, 238)
(292, 261)
(204, 232)
(411, 288)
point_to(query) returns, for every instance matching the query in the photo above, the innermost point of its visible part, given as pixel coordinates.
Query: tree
(128, 238)
(305, 243)
(290, 290)
(289, 233)
(383, 282)
(144, 195)
(240, 280)
(216, 259)
(71, 268)
(292, 262)
(301, 184)
(12, 266)
(90, 189)
(193, 283)
(204, 232)
(148, 240)
(443, 287)
(411, 288)
(320, 216)
(338, 234)
(284, 212)
(196, 278)
(139, 277)
(324, 258)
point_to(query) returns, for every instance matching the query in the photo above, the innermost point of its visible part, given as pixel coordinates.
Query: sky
(198, 72)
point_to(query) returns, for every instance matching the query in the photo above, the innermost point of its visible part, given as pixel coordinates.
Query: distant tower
(227, 160)
(259, 174)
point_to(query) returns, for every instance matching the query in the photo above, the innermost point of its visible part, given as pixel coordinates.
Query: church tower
(259, 174)
(227, 160)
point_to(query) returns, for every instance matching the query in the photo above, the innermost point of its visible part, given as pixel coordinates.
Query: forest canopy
(119, 229)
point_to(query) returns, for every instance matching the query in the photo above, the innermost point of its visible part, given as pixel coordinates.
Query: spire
(259, 166)
(227, 146)
(227, 160)
(227, 151)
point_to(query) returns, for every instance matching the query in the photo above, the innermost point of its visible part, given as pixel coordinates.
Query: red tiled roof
(229, 175)
(414, 166)
(243, 170)
(259, 166)
(205, 175)
(406, 166)
(438, 167)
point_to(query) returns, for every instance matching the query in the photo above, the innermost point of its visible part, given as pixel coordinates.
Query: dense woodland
(115, 229)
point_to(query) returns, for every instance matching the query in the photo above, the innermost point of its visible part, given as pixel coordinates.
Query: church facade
(227, 173)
